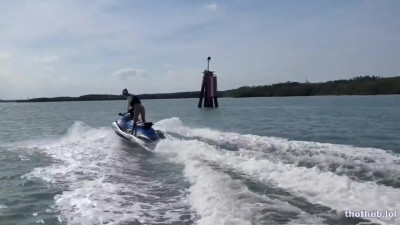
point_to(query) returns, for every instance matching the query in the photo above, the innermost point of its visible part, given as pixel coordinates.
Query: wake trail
(103, 181)
(359, 164)
(263, 159)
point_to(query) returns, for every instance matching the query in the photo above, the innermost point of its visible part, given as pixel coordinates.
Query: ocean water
(297, 160)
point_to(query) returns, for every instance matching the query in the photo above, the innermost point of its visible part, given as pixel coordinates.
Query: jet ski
(143, 134)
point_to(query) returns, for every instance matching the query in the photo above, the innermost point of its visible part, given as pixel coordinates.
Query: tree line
(362, 85)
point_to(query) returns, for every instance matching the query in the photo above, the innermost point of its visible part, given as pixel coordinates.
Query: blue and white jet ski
(143, 134)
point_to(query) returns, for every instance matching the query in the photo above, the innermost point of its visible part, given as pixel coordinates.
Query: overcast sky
(76, 47)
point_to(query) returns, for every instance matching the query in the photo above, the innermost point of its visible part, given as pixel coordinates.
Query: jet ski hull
(146, 138)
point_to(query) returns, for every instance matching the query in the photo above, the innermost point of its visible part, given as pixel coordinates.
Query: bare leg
(143, 113)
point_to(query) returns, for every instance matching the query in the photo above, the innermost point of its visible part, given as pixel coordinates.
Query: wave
(218, 198)
(103, 185)
(360, 164)
(304, 169)
(205, 176)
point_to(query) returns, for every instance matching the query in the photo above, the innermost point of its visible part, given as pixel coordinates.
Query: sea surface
(295, 160)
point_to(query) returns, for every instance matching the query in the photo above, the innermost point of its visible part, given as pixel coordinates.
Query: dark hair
(135, 100)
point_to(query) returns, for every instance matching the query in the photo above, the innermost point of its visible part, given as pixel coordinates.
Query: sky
(75, 47)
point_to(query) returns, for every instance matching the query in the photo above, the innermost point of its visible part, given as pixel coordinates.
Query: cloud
(5, 70)
(5, 55)
(210, 7)
(87, 41)
(126, 73)
(5, 59)
(48, 68)
(46, 59)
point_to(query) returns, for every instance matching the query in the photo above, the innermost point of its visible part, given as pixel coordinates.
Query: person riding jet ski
(134, 109)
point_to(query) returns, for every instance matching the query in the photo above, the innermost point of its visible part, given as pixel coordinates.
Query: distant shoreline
(362, 86)
(98, 100)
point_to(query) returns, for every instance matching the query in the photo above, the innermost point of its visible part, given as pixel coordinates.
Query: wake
(103, 180)
(328, 178)
(206, 176)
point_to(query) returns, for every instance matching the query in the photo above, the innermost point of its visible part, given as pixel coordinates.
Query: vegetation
(99, 97)
(364, 85)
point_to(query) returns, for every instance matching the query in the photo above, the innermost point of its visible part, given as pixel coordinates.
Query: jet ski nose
(120, 125)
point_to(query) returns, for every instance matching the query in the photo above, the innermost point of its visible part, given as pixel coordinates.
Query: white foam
(41, 221)
(219, 199)
(372, 163)
(254, 142)
(318, 186)
(98, 180)
(91, 170)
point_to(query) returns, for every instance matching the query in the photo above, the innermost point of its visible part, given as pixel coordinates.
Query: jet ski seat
(147, 125)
